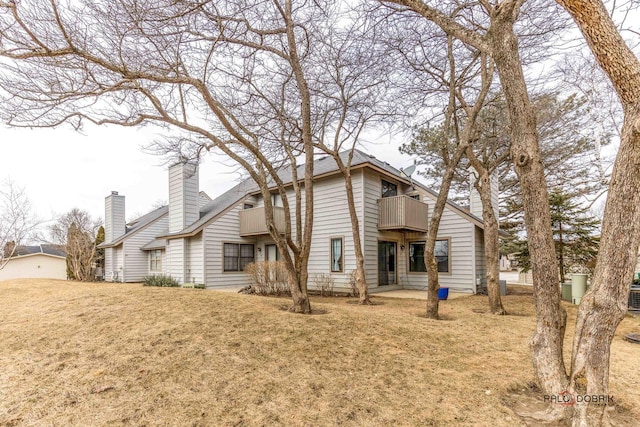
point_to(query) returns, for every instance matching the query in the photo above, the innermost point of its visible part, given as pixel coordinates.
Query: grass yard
(121, 354)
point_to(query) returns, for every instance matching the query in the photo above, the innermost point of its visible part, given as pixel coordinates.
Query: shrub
(161, 280)
(324, 283)
(268, 278)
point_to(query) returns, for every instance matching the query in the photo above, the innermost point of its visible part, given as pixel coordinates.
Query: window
(441, 253)
(416, 257)
(271, 253)
(336, 255)
(389, 189)
(417, 261)
(155, 260)
(276, 200)
(237, 256)
(415, 196)
(247, 206)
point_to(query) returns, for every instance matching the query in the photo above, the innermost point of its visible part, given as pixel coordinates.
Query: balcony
(253, 221)
(402, 213)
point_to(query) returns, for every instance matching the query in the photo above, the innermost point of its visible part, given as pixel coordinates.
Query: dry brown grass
(121, 354)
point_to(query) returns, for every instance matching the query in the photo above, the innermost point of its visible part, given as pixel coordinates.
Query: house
(36, 262)
(211, 243)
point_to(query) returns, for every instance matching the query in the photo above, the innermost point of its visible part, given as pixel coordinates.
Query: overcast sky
(61, 169)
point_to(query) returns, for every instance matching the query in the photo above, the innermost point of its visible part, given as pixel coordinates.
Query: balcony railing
(253, 221)
(402, 213)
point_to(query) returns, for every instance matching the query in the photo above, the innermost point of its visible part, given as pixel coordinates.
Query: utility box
(503, 287)
(578, 287)
(566, 291)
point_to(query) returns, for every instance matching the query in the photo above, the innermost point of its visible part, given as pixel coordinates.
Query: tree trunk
(361, 280)
(561, 252)
(298, 284)
(433, 283)
(491, 245)
(604, 306)
(548, 337)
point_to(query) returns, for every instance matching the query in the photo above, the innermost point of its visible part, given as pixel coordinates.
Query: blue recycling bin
(443, 293)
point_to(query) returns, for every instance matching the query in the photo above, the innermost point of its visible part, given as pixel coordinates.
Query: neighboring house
(212, 242)
(36, 262)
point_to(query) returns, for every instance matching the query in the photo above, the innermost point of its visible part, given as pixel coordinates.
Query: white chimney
(475, 203)
(183, 196)
(114, 220)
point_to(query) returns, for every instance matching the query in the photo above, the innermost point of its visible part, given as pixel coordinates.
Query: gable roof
(137, 225)
(45, 249)
(323, 166)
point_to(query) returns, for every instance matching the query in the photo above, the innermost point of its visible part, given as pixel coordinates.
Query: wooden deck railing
(253, 221)
(402, 212)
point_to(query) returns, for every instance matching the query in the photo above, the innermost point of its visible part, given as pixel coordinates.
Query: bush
(161, 280)
(268, 278)
(324, 283)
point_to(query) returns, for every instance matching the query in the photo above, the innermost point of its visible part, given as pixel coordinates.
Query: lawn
(122, 354)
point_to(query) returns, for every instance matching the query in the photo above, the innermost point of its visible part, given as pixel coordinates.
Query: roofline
(36, 253)
(454, 207)
(120, 240)
(198, 230)
(460, 211)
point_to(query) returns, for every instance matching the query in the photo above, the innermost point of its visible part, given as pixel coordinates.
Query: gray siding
(137, 261)
(114, 217)
(108, 264)
(332, 220)
(481, 262)
(183, 196)
(195, 260)
(371, 193)
(475, 204)
(452, 226)
(118, 263)
(226, 229)
(175, 259)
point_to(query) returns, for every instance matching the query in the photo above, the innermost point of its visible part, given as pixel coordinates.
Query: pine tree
(574, 233)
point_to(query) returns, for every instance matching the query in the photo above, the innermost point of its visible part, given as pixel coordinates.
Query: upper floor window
(389, 189)
(276, 200)
(247, 205)
(415, 196)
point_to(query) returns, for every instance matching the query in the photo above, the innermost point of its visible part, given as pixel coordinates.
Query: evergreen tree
(99, 256)
(574, 233)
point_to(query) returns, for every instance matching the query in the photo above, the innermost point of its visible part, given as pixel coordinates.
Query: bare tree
(222, 76)
(76, 230)
(496, 36)
(82, 219)
(350, 81)
(604, 306)
(18, 221)
(451, 140)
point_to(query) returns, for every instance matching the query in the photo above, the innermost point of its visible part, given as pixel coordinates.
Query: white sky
(61, 169)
